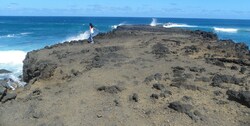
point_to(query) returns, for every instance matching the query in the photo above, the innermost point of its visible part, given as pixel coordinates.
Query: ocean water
(18, 35)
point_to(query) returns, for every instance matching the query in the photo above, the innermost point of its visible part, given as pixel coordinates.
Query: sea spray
(173, 25)
(154, 22)
(81, 36)
(12, 60)
(15, 35)
(231, 30)
(115, 26)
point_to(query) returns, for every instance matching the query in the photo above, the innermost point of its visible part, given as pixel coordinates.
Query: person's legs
(90, 39)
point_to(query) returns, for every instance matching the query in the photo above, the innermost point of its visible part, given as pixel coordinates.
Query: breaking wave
(115, 26)
(231, 30)
(26, 33)
(154, 22)
(173, 25)
(81, 36)
(15, 35)
(8, 36)
(12, 60)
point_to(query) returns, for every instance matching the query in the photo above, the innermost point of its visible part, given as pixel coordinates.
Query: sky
(219, 9)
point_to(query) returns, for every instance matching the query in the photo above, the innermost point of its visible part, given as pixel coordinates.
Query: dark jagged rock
(203, 79)
(156, 77)
(8, 96)
(110, 89)
(178, 43)
(218, 93)
(191, 49)
(159, 86)
(178, 68)
(243, 70)
(221, 102)
(219, 79)
(149, 79)
(108, 49)
(34, 95)
(215, 62)
(205, 35)
(234, 68)
(187, 98)
(187, 109)
(165, 93)
(241, 49)
(154, 96)
(75, 72)
(196, 69)
(3, 92)
(179, 107)
(3, 71)
(186, 86)
(243, 97)
(160, 50)
(101, 59)
(85, 51)
(117, 103)
(178, 71)
(98, 62)
(180, 79)
(33, 69)
(134, 97)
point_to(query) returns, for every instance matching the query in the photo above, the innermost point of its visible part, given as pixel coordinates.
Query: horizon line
(124, 17)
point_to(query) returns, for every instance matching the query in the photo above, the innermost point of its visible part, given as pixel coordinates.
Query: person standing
(91, 32)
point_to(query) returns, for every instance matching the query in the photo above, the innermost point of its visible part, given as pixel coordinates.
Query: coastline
(135, 75)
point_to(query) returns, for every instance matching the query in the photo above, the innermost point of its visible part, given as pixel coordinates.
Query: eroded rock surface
(133, 75)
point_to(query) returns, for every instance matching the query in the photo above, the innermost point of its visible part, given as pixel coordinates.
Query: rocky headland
(134, 76)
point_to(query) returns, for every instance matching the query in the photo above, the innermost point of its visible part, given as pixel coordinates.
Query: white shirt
(91, 30)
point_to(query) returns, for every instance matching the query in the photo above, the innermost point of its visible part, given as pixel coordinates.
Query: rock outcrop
(134, 75)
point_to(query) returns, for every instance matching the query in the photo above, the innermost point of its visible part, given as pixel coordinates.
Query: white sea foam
(231, 30)
(81, 36)
(173, 25)
(26, 33)
(154, 22)
(8, 36)
(115, 26)
(13, 61)
(12, 57)
(15, 35)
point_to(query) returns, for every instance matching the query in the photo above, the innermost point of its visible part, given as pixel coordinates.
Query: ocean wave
(8, 36)
(26, 33)
(244, 30)
(16, 35)
(12, 57)
(173, 25)
(231, 30)
(115, 26)
(154, 22)
(12, 60)
(81, 36)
